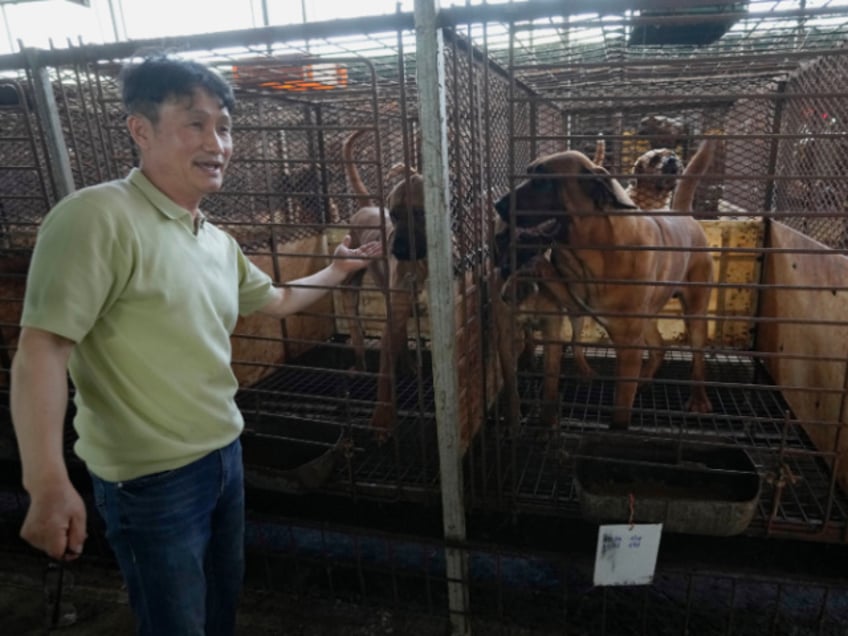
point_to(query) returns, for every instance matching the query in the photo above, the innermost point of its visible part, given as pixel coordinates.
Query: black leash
(57, 600)
(57, 614)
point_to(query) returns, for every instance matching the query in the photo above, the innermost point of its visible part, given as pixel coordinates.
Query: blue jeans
(179, 540)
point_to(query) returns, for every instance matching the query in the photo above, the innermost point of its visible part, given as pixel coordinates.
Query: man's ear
(140, 129)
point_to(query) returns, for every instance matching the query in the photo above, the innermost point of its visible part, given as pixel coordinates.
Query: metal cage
(520, 81)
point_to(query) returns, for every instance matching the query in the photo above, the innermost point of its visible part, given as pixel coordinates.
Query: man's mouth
(212, 167)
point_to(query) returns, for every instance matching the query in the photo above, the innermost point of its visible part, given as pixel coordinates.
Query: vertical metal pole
(115, 31)
(8, 28)
(432, 110)
(48, 114)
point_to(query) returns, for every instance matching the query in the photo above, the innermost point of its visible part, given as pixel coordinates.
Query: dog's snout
(502, 207)
(402, 247)
(671, 165)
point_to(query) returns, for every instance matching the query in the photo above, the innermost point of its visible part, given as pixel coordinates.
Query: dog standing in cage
(534, 308)
(519, 259)
(657, 173)
(616, 265)
(401, 275)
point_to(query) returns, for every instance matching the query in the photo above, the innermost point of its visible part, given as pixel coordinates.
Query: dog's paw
(620, 424)
(382, 423)
(527, 360)
(407, 364)
(585, 372)
(358, 364)
(550, 416)
(699, 404)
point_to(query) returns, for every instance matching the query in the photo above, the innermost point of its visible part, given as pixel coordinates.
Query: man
(135, 293)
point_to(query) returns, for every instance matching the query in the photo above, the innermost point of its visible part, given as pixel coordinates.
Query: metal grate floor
(533, 469)
(749, 413)
(319, 387)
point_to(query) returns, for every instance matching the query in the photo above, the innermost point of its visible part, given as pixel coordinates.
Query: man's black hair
(147, 84)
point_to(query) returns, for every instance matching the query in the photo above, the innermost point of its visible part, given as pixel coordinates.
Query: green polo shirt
(119, 269)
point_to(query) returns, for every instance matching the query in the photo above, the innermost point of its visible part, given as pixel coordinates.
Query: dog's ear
(605, 191)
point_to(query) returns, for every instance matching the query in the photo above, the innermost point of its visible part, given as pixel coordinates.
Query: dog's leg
(656, 351)
(699, 402)
(552, 361)
(696, 300)
(504, 328)
(627, 336)
(628, 362)
(527, 357)
(392, 345)
(586, 372)
(350, 305)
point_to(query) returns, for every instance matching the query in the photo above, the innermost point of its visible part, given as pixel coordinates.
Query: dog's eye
(543, 185)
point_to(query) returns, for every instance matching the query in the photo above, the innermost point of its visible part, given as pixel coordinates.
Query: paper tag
(627, 555)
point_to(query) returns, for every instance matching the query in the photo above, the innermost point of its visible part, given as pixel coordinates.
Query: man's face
(186, 152)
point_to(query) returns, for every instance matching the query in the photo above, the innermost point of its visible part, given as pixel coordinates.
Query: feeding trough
(289, 454)
(690, 487)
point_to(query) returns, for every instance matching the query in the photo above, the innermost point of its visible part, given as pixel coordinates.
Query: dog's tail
(363, 197)
(699, 164)
(600, 150)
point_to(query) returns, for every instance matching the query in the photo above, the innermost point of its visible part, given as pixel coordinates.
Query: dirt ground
(99, 603)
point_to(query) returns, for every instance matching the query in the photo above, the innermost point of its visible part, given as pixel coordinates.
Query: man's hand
(350, 260)
(298, 294)
(55, 522)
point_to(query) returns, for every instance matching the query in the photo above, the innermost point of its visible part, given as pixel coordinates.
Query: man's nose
(213, 140)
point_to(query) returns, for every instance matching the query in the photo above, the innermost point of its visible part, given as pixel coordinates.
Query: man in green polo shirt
(135, 293)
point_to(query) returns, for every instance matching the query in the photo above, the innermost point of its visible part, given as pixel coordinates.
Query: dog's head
(661, 131)
(561, 186)
(406, 209)
(527, 245)
(524, 282)
(657, 171)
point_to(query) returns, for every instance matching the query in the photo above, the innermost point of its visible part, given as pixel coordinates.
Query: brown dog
(401, 274)
(608, 262)
(655, 176)
(536, 309)
(661, 131)
(522, 261)
(658, 172)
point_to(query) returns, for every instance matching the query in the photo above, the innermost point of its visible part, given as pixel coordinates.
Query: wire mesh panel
(813, 150)
(766, 459)
(26, 192)
(25, 184)
(527, 578)
(288, 201)
(537, 592)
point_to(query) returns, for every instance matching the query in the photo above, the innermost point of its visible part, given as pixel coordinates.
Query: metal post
(48, 114)
(440, 288)
(8, 28)
(112, 15)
